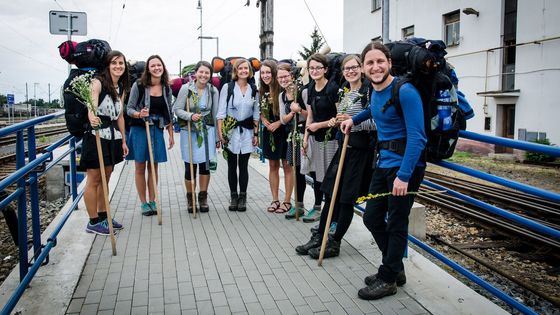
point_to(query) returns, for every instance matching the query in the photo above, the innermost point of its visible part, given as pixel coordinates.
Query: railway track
(516, 239)
(46, 131)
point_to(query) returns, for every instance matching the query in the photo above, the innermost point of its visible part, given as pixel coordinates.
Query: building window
(451, 31)
(375, 5)
(408, 32)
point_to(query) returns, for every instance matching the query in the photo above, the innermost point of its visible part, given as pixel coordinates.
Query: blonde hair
(236, 65)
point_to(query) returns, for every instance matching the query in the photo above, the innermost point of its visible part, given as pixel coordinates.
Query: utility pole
(35, 96)
(267, 28)
(27, 100)
(200, 8)
(385, 21)
(49, 94)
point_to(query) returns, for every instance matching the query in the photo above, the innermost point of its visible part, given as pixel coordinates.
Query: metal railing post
(73, 176)
(34, 193)
(22, 208)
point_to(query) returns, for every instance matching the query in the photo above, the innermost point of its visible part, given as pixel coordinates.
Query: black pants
(233, 161)
(390, 236)
(301, 184)
(203, 170)
(317, 190)
(342, 215)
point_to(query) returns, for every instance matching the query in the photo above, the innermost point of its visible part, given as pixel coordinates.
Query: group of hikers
(302, 133)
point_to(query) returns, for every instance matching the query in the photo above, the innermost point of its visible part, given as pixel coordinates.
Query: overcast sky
(28, 52)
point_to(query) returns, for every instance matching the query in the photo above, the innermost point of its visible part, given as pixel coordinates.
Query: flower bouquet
(227, 127)
(265, 111)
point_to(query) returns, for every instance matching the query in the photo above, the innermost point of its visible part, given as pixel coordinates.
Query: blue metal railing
(540, 228)
(25, 176)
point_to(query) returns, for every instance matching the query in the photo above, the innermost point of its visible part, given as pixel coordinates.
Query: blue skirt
(138, 145)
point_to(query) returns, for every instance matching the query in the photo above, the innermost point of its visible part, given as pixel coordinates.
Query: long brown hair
(273, 88)
(146, 79)
(106, 80)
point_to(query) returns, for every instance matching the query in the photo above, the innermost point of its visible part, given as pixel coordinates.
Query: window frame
(406, 30)
(452, 24)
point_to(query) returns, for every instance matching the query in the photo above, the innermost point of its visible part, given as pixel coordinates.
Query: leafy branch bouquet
(294, 136)
(345, 102)
(198, 125)
(227, 128)
(80, 86)
(265, 108)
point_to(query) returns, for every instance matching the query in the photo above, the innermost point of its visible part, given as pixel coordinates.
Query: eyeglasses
(284, 77)
(315, 68)
(352, 68)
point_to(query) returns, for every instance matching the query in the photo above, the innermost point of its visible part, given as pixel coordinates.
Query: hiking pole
(333, 198)
(105, 191)
(153, 168)
(294, 147)
(191, 161)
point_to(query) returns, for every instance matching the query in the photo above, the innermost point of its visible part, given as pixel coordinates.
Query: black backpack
(91, 53)
(75, 111)
(421, 62)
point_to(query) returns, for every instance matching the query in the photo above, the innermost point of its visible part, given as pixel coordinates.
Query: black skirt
(355, 176)
(280, 144)
(112, 152)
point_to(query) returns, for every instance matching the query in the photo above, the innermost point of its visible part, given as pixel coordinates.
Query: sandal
(285, 207)
(273, 206)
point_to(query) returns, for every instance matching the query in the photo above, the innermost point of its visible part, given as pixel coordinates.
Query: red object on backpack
(67, 49)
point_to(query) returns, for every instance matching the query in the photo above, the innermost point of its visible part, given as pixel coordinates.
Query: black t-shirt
(157, 105)
(323, 105)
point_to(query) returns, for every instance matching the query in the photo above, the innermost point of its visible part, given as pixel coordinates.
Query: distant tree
(55, 103)
(316, 44)
(187, 69)
(3, 99)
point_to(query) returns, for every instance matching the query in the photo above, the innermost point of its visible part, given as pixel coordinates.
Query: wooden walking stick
(105, 191)
(153, 168)
(333, 199)
(294, 147)
(193, 192)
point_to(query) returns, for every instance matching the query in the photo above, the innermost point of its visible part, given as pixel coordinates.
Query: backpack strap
(395, 98)
(231, 86)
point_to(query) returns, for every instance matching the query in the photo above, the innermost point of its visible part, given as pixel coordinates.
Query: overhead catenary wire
(315, 21)
(120, 20)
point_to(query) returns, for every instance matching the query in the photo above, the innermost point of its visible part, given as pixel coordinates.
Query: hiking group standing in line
(302, 132)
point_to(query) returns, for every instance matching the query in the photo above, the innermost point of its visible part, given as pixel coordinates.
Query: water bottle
(444, 111)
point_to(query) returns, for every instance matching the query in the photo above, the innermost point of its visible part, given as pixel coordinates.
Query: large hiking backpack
(335, 68)
(75, 111)
(91, 53)
(224, 67)
(421, 62)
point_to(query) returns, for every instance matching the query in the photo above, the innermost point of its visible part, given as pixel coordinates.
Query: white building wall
(480, 70)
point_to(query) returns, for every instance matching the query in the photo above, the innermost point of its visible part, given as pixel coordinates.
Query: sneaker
(332, 228)
(116, 225)
(377, 290)
(312, 215)
(292, 213)
(100, 228)
(400, 280)
(146, 209)
(153, 205)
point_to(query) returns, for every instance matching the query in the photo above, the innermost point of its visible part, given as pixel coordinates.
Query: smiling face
(202, 75)
(266, 74)
(117, 66)
(316, 70)
(155, 67)
(376, 66)
(352, 71)
(243, 71)
(284, 78)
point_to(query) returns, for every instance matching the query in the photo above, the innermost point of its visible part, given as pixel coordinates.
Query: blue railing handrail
(51, 242)
(516, 144)
(501, 181)
(28, 123)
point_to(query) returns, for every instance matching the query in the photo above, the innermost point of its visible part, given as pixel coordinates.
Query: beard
(385, 76)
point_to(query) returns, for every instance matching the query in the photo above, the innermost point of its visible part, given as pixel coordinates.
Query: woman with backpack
(238, 118)
(319, 143)
(292, 112)
(107, 90)
(274, 143)
(201, 110)
(150, 100)
(357, 167)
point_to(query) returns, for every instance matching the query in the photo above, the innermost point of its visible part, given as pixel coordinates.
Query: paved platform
(223, 262)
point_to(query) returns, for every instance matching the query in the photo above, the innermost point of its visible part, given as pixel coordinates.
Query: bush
(539, 157)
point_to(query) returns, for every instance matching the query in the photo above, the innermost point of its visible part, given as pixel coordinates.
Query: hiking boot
(292, 213)
(313, 215)
(146, 209)
(100, 228)
(331, 250)
(400, 280)
(242, 202)
(233, 202)
(190, 203)
(203, 201)
(315, 241)
(377, 290)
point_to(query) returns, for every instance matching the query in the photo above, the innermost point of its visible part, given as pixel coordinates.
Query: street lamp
(199, 7)
(217, 42)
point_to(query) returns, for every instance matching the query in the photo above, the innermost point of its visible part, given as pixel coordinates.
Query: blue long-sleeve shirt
(391, 126)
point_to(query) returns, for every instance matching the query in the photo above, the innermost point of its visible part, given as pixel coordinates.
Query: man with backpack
(400, 167)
